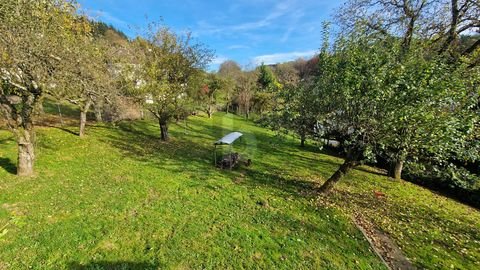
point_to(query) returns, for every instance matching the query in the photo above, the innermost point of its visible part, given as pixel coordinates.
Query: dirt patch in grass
(383, 245)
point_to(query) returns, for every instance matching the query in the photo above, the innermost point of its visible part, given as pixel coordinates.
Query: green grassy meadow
(122, 199)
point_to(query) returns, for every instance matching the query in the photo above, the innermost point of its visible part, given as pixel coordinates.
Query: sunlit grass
(122, 198)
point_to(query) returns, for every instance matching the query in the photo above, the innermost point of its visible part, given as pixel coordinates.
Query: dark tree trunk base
(347, 166)
(164, 131)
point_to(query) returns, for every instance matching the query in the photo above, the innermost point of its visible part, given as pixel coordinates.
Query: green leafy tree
(90, 80)
(268, 86)
(230, 71)
(296, 111)
(35, 37)
(209, 93)
(168, 65)
(245, 91)
(371, 102)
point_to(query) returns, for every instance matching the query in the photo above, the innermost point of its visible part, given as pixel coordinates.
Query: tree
(209, 92)
(433, 26)
(441, 22)
(168, 64)
(230, 71)
(371, 101)
(245, 92)
(34, 42)
(288, 74)
(350, 100)
(89, 78)
(267, 86)
(295, 110)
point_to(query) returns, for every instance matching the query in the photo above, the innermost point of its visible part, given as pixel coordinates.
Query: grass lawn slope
(122, 199)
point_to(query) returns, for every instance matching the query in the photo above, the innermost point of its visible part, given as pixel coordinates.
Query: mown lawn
(121, 199)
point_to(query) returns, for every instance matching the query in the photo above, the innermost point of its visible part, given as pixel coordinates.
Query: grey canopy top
(229, 139)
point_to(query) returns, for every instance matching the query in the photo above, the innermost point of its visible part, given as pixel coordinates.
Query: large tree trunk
(163, 130)
(347, 166)
(26, 152)
(397, 172)
(19, 120)
(83, 118)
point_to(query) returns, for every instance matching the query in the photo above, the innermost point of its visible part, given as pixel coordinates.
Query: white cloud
(280, 10)
(238, 47)
(218, 60)
(106, 17)
(276, 58)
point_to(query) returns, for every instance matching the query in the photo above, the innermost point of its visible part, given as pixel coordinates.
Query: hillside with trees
(106, 144)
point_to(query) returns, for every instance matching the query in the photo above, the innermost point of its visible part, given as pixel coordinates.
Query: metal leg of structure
(215, 155)
(231, 165)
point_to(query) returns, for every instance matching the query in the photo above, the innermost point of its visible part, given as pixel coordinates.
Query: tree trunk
(40, 108)
(98, 114)
(83, 121)
(26, 152)
(60, 114)
(397, 172)
(343, 170)
(83, 118)
(209, 112)
(302, 140)
(163, 130)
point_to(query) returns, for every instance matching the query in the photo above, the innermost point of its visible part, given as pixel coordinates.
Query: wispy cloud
(275, 58)
(293, 25)
(238, 47)
(218, 60)
(104, 16)
(280, 10)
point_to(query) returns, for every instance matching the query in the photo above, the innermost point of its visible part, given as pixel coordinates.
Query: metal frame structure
(227, 140)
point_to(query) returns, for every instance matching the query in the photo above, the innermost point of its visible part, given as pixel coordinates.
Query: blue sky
(247, 31)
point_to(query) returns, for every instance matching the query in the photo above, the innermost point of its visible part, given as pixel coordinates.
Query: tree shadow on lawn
(194, 155)
(68, 130)
(112, 266)
(7, 140)
(139, 141)
(295, 187)
(8, 165)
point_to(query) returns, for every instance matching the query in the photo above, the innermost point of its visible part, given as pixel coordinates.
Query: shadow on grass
(112, 266)
(8, 165)
(68, 130)
(296, 187)
(371, 170)
(7, 140)
(193, 154)
(141, 141)
(65, 109)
